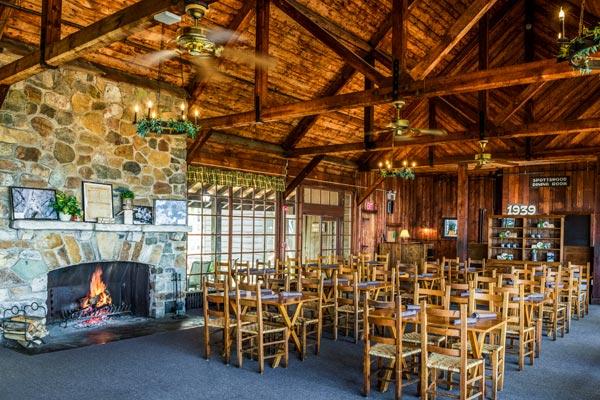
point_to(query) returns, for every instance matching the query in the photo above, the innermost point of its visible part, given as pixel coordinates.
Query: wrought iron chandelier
(404, 172)
(151, 122)
(581, 51)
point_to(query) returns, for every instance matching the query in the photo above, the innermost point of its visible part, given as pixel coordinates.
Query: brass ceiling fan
(402, 129)
(201, 45)
(483, 158)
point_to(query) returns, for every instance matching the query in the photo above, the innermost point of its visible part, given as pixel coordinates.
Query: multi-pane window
(228, 223)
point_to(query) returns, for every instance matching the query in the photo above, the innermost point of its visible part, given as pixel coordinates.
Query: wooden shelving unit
(537, 238)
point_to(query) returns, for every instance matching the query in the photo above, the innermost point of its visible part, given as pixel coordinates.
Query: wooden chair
(348, 310)
(567, 289)
(554, 313)
(255, 335)
(216, 314)
(383, 259)
(520, 331)
(280, 280)
(384, 354)
(494, 347)
(453, 360)
(309, 324)
(241, 272)
(578, 296)
(586, 281)
(293, 268)
(223, 272)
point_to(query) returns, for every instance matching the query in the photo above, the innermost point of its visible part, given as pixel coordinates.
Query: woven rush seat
(219, 322)
(268, 327)
(449, 363)
(388, 351)
(415, 338)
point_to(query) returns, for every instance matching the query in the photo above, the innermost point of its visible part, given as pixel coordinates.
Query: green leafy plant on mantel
(127, 194)
(578, 51)
(67, 204)
(170, 127)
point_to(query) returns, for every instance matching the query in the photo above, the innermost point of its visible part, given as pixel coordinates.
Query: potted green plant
(67, 206)
(127, 197)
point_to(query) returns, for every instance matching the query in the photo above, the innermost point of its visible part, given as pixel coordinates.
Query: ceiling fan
(402, 129)
(482, 158)
(202, 45)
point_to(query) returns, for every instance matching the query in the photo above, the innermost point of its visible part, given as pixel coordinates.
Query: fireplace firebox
(127, 283)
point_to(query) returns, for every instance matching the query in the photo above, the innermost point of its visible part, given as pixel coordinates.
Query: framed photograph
(170, 212)
(142, 215)
(97, 201)
(449, 228)
(30, 203)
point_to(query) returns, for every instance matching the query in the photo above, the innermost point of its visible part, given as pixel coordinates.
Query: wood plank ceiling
(324, 76)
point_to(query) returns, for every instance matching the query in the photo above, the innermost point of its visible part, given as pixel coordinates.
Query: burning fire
(99, 296)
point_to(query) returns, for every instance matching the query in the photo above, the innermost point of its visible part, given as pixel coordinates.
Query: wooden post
(462, 211)
(595, 231)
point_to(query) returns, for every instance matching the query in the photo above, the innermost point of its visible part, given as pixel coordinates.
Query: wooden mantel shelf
(39, 225)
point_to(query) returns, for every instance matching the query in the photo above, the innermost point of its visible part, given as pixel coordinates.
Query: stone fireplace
(59, 129)
(150, 255)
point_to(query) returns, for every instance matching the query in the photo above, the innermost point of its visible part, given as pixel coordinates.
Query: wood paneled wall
(422, 203)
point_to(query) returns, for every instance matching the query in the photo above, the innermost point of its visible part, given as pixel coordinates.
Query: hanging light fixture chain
(581, 18)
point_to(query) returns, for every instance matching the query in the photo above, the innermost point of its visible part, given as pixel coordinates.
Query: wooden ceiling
(328, 77)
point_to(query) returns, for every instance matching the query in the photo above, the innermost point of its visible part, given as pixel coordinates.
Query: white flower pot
(64, 217)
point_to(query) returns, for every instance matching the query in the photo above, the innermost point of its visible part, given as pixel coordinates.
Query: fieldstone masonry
(59, 129)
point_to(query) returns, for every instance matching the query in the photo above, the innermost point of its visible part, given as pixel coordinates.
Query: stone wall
(59, 129)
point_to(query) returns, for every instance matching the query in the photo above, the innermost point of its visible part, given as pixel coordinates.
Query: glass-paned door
(320, 236)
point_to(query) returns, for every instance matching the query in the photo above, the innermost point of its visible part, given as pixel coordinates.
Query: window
(228, 223)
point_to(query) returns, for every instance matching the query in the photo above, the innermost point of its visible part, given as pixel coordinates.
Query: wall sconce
(404, 234)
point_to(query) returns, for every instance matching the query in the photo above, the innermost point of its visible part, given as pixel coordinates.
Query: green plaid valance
(234, 178)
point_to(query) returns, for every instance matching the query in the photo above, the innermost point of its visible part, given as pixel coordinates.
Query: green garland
(578, 50)
(170, 127)
(404, 173)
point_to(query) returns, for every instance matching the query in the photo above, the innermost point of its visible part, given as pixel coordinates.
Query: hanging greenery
(404, 173)
(578, 51)
(170, 127)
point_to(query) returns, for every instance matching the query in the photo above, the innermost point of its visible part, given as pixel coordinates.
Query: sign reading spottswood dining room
(548, 181)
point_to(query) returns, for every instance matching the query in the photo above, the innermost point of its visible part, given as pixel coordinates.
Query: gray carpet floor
(170, 365)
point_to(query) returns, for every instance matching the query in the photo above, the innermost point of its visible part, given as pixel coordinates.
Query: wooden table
(283, 305)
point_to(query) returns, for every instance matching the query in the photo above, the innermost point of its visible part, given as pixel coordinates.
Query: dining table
(289, 306)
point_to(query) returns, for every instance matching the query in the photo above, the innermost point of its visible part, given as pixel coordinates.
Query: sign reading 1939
(520, 209)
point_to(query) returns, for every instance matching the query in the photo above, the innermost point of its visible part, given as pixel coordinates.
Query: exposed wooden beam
(196, 145)
(262, 48)
(453, 35)
(329, 40)
(303, 174)
(518, 102)
(534, 129)
(369, 190)
(493, 78)
(5, 13)
(135, 18)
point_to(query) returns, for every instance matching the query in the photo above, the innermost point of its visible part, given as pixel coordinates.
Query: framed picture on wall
(97, 201)
(449, 227)
(31, 203)
(170, 212)
(142, 215)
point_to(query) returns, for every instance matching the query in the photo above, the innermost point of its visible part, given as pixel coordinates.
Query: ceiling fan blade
(151, 59)
(479, 165)
(504, 162)
(249, 57)
(223, 36)
(434, 132)
(206, 69)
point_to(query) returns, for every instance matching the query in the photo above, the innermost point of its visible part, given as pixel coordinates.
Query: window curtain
(234, 178)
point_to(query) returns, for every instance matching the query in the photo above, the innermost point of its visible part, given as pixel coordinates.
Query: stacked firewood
(24, 329)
